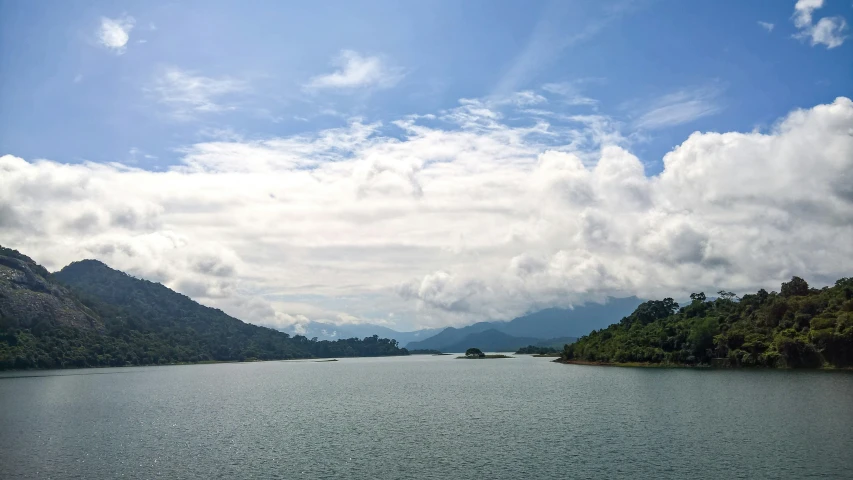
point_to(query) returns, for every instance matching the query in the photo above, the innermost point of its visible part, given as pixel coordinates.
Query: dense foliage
(797, 327)
(426, 351)
(145, 323)
(536, 350)
(474, 352)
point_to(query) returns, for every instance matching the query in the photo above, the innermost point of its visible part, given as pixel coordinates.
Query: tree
(797, 287)
(474, 353)
(727, 295)
(697, 297)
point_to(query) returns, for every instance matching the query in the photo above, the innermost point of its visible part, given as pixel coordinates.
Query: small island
(477, 354)
(538, 351)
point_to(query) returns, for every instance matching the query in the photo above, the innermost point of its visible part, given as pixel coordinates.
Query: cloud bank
(444, 219)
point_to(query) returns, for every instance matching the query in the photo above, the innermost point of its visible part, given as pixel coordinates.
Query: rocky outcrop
(29, 299)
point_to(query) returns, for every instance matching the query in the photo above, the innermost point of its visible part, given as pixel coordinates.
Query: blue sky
(626, 54)
(429, 163)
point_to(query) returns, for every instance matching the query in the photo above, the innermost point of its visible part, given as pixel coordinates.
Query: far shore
(628, 364)
(685, 365)
(202, 362)
(486, 357)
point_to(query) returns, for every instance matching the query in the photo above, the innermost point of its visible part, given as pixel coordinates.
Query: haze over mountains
(551, 326)
(545, 327)
(330, 331)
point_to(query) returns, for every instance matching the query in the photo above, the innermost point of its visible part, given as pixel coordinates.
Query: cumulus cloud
(827, 31)
(115, 32)
(766, 25)
(188, 93)
(457, 217)
(356, 71)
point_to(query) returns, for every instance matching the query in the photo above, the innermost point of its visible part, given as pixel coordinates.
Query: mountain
(329, 331)
(551, 323)
(490, 340)
(797, 327)
(571, 322)
(449, 336)
(29, 301)
(89, 315)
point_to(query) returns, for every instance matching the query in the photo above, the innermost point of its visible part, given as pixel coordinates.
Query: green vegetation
(534, 350)
(474, 353)
(484, 356)
(424, 351)
(89, 315)
(797, 327)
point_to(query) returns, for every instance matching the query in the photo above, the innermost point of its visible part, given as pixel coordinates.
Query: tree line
(797, 327)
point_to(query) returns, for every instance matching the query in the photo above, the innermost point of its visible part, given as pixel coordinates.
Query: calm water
(425, 417)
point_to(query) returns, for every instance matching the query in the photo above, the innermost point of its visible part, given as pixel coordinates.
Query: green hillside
(797, 327)
(90, 315)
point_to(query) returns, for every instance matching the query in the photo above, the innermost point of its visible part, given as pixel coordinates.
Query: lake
(424, 417)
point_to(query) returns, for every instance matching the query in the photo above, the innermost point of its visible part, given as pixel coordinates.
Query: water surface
(424, 417)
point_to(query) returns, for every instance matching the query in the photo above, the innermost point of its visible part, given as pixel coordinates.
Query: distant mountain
(91, 315)
(493, 340)
(571, 322)
(551, 323)
(449, 336)
(490, 340)
(329, 331)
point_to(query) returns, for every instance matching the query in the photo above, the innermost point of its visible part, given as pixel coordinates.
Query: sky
(434, 163)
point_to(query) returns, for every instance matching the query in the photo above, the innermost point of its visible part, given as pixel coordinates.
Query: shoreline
(684, 365)
(627, 364)
(203, 362)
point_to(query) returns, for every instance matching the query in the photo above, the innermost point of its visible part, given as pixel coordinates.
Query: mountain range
(330, 331)
(552, 326)
(89, 314)
(548, 327)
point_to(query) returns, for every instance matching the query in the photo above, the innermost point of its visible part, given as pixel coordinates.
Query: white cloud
(827, 31)
(357, 71)
(115, 32)
(460, 218)
(766, 25)
(570, 93)
(680, 107)
(187, 93)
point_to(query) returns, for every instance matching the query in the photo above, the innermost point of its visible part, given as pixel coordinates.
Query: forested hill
(90, 315)
(797, 327)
